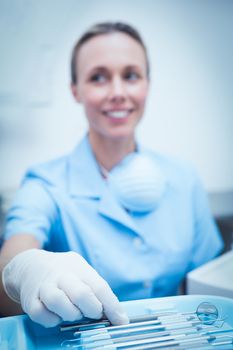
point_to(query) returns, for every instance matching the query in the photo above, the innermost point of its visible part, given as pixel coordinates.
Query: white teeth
(117, 114)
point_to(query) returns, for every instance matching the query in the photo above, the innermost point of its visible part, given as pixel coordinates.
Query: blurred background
(189, 113)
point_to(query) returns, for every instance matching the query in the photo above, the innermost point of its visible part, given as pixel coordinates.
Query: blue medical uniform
(67, 205)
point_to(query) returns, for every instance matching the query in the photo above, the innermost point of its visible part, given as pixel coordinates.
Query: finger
(57, 301)
(82, 296)
(40, 314)
(111, 305)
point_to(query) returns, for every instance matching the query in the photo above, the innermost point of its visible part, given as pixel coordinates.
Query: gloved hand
(55, 287)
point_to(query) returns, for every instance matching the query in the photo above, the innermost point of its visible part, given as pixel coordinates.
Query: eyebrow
(98, 68)
(133, 66)
(104, 68)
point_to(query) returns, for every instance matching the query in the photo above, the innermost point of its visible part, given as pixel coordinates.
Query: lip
(118, 113)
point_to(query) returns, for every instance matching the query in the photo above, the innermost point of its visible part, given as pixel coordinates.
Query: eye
(132, 76)
(98, 78)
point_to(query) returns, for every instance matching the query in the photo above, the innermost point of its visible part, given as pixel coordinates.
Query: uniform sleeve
(207, 241)
(33, 211)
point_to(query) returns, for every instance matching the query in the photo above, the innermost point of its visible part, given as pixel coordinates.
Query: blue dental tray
(20, 333)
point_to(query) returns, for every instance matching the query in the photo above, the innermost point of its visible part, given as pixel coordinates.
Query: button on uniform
(147, 284)
(139, 244)
(141, 247)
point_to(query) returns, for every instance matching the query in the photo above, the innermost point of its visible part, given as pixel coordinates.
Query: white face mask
(137, 182)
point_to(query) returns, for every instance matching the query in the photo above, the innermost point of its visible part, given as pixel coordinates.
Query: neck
(110, 152)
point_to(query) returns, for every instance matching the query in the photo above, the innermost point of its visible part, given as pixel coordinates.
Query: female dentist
(110, 221)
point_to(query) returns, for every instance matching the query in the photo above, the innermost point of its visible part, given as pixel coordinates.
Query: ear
(75, 93)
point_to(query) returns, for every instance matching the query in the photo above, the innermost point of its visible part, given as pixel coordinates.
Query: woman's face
(112, 84)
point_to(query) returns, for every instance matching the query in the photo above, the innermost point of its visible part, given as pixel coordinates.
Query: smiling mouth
(118, 114)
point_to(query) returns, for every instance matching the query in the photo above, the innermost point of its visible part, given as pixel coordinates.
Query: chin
(121, 134)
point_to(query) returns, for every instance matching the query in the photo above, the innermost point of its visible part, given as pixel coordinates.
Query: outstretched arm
(54, 287)
(11, 248)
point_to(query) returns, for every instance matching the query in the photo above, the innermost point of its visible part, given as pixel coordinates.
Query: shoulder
(50, 173)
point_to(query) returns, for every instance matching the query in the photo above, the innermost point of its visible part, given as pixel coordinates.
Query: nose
(117, 90)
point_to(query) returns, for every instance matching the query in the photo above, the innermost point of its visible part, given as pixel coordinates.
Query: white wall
(189, 112)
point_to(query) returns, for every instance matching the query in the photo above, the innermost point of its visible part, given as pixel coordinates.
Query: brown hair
(105, 28)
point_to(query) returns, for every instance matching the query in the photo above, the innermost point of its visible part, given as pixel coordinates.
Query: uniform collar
(84, 176)
(85, 180)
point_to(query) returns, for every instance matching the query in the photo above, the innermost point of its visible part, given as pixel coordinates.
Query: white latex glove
(56, 287)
